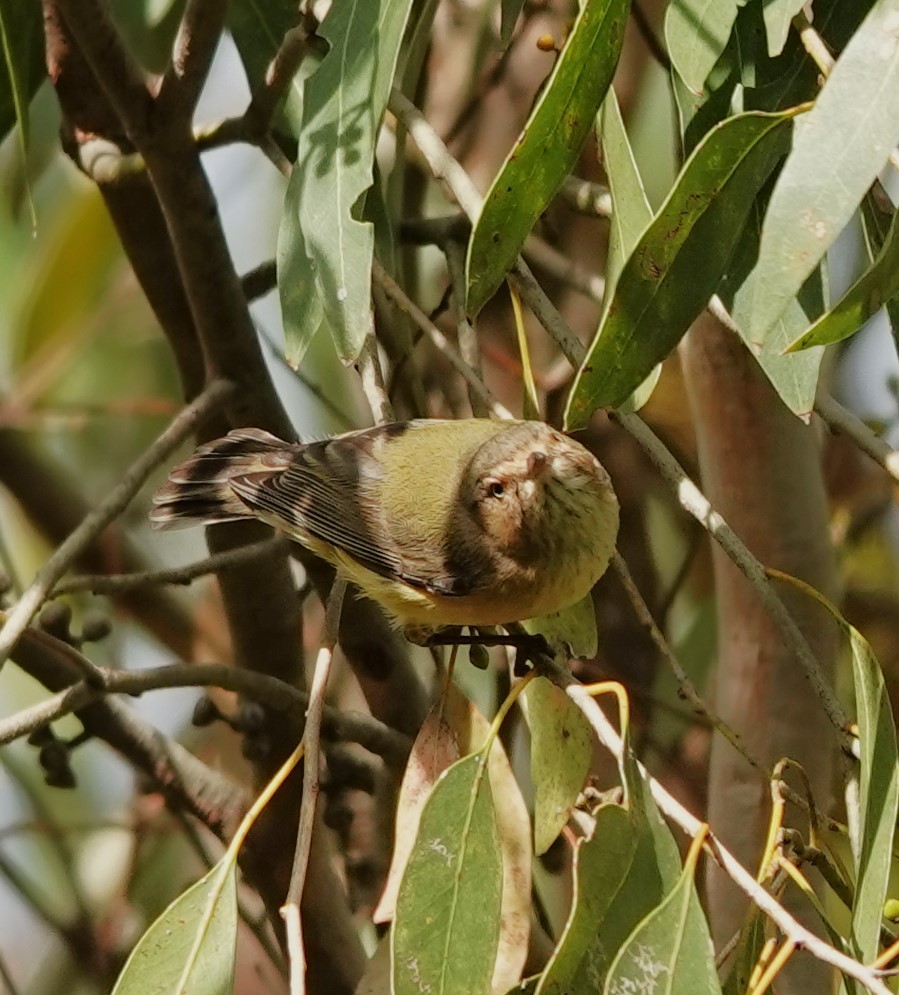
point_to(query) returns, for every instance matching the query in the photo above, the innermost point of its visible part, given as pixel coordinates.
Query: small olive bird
(472, 522)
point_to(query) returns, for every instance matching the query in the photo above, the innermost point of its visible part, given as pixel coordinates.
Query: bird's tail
(199, 489)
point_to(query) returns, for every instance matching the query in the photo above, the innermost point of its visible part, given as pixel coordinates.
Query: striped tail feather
(199, 490)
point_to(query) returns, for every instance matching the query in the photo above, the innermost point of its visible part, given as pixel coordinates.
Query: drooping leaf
(571, 631)
(435, 749)
(444, 937)
(22, 39)
(852, 128)
(561, 747)
(670, 952)
(190, 948)
(617, 882)
(548, 147)
(696, 33)
(794, 377)
(778, 16)
(752, 939)
(258, 30)
(324, 250)
(879, 795)
(631, 212)
(876, 222)
(675, 267)
(509, 13)
(861, 301)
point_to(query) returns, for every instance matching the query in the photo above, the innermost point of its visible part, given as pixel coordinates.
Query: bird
(444, 523)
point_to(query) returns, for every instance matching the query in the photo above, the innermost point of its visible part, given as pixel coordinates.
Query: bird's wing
(327, 490)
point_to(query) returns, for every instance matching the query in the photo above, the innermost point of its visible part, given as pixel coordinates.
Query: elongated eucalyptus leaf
(548, 147)
(22, 38)
(839, 147)
(561, 747)
(696, 33)
(324, 249)
(258, 30)
(448, 910)
(190, 948)
(794, 377)
(879, 795)
(670, 952)
(778, 15)
(861, 301)
(678, 262)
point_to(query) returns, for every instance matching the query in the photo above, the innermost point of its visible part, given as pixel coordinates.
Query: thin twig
(745, 881)
(198, 36)
(439, 340)
(684, 683)
(117, 583)
(371, 377)
(693, 501)
(535, 297)
(368, 732)
(587, 197)
(21, 614)
(468, 339)
(312, 743)
(838, 419)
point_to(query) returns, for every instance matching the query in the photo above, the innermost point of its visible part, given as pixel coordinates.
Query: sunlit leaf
(324, 249)
(862, 300)
(839, 147)
(670, 952)
(190, 948)
(561, 747)
(675, 267)
(435, 749)
(447, 918)
(631, 212)
(696, 33)
(879, 795)
(571, 631)
(752, 939)
(778, 16)
(794, 377)
(547, 148)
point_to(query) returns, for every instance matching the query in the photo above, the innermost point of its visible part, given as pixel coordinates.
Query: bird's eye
(496, 489)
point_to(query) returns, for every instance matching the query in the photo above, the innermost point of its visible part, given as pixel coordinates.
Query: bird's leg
(530, 647)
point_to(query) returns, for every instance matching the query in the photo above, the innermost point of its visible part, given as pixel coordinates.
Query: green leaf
(571, 630)
(22, 37)
(794, 377)
(622, 872)
(696, 33)
(190, 948)
(861, 301)
(876, 221)
(839, 148)
(879, 795)
(448, 910)
(547, 149)
(631, 212)
(324, 250)
(778, 15)
(561, 747)
(258, 29)
(679, 260)
(749, 949)
(509, 14)
(670, 952)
